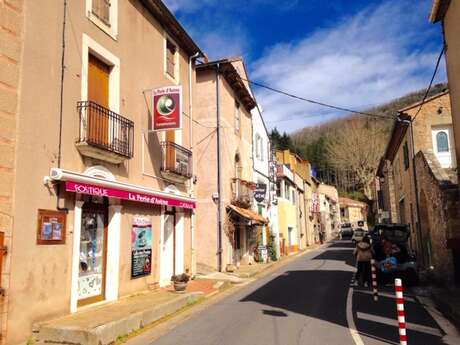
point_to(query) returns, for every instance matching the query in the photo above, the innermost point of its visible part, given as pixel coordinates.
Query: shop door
(167, 247)
(98, 92)
(93, 253)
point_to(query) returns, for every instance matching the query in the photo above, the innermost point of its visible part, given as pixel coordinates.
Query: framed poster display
(51, 227)
(141, 247)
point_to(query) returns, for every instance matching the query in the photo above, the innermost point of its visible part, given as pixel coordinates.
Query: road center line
(394, 322)
(351, 322)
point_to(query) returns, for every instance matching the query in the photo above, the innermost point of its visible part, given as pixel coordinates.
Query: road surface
(308, 301)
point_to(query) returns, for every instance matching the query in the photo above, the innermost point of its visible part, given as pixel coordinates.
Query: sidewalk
(448, 302)
(104, 324)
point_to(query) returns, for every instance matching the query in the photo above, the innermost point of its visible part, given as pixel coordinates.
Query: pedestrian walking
(364, 254)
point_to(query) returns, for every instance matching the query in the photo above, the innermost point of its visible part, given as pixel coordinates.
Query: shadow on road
(342, 255)
(342, 244)
(317, 294)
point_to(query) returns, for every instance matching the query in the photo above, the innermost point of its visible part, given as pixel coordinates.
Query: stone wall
(438, 214)
(11, 27)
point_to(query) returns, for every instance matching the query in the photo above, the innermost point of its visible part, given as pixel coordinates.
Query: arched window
(442, 142)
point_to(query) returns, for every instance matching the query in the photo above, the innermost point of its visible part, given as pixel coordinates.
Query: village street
(308, 301)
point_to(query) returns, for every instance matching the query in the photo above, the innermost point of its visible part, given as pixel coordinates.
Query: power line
(317, 102)
(431, 82)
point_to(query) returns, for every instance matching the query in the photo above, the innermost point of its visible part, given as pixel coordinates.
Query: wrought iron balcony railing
(176, 161)
(104, 129)
(243, 193)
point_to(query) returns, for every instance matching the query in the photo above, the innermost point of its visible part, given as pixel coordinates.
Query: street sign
(260, 191)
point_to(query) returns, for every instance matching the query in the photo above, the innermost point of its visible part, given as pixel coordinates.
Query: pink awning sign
(89, 189)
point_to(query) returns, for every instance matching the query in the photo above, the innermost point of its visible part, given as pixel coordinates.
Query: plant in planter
(180, 282)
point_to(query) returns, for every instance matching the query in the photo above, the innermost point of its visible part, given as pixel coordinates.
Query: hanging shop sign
(51, 227)
(141, 247)
(260, 191)
(167, 108)
(89, 189)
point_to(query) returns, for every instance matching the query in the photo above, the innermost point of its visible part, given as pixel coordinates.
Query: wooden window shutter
(101, 9)
(170, 58)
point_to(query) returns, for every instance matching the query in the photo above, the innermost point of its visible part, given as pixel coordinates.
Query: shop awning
(80, 183)
(248, 214)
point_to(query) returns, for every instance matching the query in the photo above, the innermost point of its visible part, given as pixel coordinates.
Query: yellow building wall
(287, 217)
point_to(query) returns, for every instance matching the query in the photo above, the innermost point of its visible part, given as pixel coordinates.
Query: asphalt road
(308, 301)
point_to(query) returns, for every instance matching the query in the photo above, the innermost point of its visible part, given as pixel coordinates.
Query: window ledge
(103, 26)
(172, 79)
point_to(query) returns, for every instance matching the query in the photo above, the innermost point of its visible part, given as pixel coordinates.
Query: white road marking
(351, 323)
(394, 322)
(386, 294)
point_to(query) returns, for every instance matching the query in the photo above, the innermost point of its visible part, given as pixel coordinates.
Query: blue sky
(355, 54)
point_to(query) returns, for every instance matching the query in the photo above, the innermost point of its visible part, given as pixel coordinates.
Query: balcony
(242, 193)
(104, 135)
(176, 162)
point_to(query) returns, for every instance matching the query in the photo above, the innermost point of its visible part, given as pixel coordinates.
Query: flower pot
(180, 286)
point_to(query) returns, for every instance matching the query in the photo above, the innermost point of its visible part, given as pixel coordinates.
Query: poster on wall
(141, 247)
(167, 108)
(51, 227)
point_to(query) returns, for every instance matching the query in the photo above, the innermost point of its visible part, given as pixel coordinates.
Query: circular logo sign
(166, 105)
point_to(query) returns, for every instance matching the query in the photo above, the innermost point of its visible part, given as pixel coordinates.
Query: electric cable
(317, 102)
(431, 82)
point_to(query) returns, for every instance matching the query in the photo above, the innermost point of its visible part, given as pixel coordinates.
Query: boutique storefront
(126, 238)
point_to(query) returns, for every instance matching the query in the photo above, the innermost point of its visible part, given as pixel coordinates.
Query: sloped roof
(439, 9)
(164, 16)
(350, 202)
(233, 78)
(248, 214)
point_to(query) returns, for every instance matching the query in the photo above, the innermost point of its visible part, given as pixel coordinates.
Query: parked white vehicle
(358, 235)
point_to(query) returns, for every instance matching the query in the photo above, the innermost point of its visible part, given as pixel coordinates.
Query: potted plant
(180, 282)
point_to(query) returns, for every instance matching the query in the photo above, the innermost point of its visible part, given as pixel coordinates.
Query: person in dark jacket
(364, 253)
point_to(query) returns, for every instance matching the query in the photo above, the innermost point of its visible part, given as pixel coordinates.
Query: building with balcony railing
(92, 182)
(104, 134)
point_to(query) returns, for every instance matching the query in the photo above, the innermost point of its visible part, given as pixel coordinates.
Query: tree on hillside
(281, 142)
(358, 147)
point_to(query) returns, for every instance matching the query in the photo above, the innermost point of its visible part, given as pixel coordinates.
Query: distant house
(421, 189)
(354, 212)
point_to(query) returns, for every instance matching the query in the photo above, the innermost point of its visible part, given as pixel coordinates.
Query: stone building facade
(404, 188)
(439, 217)
(12, 16)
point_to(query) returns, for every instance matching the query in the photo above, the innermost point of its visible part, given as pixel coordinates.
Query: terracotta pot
(180, 286)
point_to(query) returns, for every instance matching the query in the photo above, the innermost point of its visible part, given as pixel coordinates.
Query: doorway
(93, 251)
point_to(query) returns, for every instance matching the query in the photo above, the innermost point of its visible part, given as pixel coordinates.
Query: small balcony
(242, 193)
(104, 135)
(176, 162)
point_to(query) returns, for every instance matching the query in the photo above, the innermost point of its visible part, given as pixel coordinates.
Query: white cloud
(361, 61)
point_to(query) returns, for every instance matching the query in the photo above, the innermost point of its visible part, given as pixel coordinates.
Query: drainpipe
(219, 182)
(61, 106)
(190, 113)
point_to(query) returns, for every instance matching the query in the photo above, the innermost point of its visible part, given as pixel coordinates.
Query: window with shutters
(101, 9)
(406, 156)
(171, 59)
(237, 118)
(104, 14)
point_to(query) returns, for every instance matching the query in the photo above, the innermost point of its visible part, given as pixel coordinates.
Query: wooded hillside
(346, 152)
